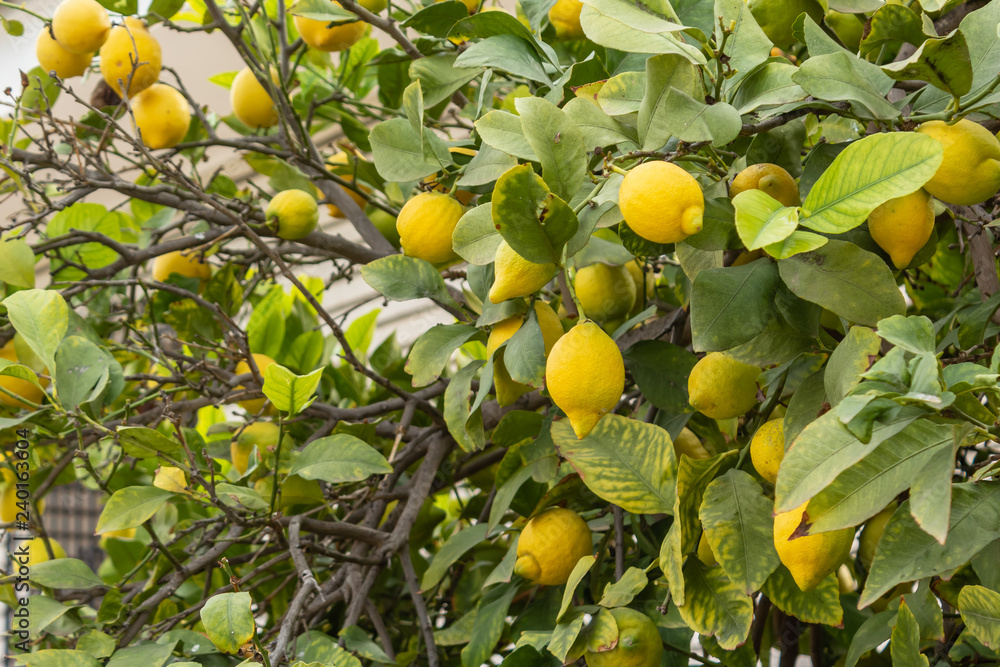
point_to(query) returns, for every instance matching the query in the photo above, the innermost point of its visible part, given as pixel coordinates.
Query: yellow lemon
(902, 226)
(775, 17)
(705, 553)
(721, 387)
(687, 443)
(515, 276)
(661, 202)
(320, 35)
(565, 18)
(748, 256)
(426, 223)
(604, 292)
(81, 26)
(123, 534)
(550, 546)
(37, 553)
(645, 285)
(811, 558)
(768, 178)
(184, 262)
(262, 435)
(8, 502)
(639, 643)
(162, 115)
(970, 171)
(251, 102)
(585, 376)
(262, 361)
(845, 580)
(768, 448)
(130, 47)
(292, 214)
(54, 58)
(374, 6)
(333, 163)
(29, 391)
(172, 479)
(872, 533)
(507, 390)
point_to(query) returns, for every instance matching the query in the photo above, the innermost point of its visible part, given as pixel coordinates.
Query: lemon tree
(517, 332)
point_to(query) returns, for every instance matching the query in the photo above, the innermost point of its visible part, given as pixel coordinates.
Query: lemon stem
(618, 170)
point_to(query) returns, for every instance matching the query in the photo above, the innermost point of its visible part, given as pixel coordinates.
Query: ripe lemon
(585, 376)
(565, 18)
(251, 102)
(639, 643)
(507, 390)
(426, 223)
(130, 46)
(292, 214)
(172, 479)
(902, 226)
(812, 557)
(970, 171)
(320, 35)
(254, 405)
(54, 58)
(385, 223)
(184, 262)
(81, 26)
(604, 292)
(768, 448)
(775, 17)
(687, 443)
(550, 546)
(769, 178)
(338, 160)
(262, 435)
(162, 115)
(29, 391)
(515, 276)
(661, 202)
(37, 553)
(722, 388)
(705, 553)
(872, 533)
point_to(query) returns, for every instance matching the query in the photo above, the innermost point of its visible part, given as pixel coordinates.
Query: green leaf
(57, 658)
(430, 354)
(524, 353)
(638, 478)
(930, 494)
(17, 262)
(289, 392)
(890, 26)
(661, 369)
(236, 496)
(905, 644)
(820, 605)
(747, 47)
(842, 77)
(399, 152)
(565, 634)
(840, 276)
(662, 74)
(622, 94)
(476, 238)
(148, 655)
(853, 356)
(737, 520)
(454, 548)
(401, 278)
(622, 592)
(534, 221)
(557, 142)
(797, 242)
(690, 120)
(872, 633)
(579, 571)
(715, 606)
(228, 620)
(768, 85)
(81, 371)
(503, 131)
(943, 62)
(508, 53)
(41, 317)
(671, 562)
(761, 220)
(465, 424)
(130, 507)
(866, 174)
(621, 25)
(339, 458)
(439, 77)
(597, 127)
(972, 330)
(731, 305)
(145, 443)
(486, 166)
(693, 477)
(980, 608)
(357, 641)
(65, 573)
(913, 334)
(491, 614)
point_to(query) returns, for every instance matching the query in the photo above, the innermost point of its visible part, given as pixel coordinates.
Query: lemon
(970, 171)
(262, 435)
(687, 443)
(722, 388)
(768, 448)
(768, 178)
(292, 214)
(54, 58)
(37, 553)
(507, 390)
(748, 256)
(705, 553)
(639, 643)
(341, 159)
(605, 292)
(29, 391)
(811, 558)
(251, 102)
(187, 263)
(775, 17)
(170, 478)
(130, 46)
(550, 546)
(515, 276)
(872, 533)
(298, 491)
(565, 18)
(849, 28)
(386, 224)
(123, 534)
(645, 285)
(426, 223)
(845, 580)
(162, 115)
(262, 361)
(585, 376)
(80, 26)
(320, 35)
(374, 6)
(8, 502)
(661, 202)
(463, 196)
(902, 226)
